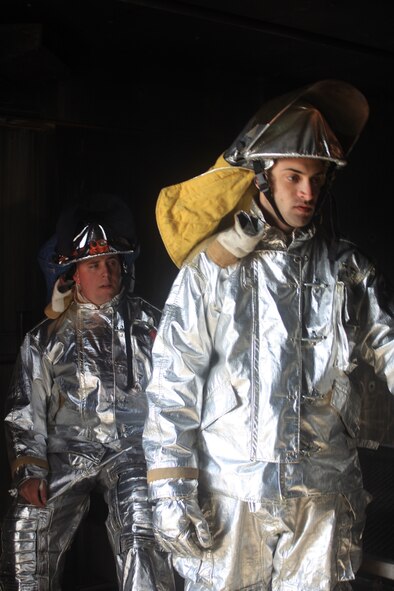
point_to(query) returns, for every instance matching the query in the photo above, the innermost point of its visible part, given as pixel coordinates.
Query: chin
(107, 294)
(303, 223)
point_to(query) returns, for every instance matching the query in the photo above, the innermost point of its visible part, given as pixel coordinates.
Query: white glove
(180, 527)
(243, 237)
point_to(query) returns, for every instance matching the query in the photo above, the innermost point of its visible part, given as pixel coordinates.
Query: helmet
(99, 225)
(323, 120)
(102, 224)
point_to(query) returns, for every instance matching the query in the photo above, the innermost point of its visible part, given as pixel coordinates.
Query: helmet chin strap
(263, 186)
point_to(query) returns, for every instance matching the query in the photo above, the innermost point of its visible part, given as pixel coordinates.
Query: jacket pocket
(219, 399)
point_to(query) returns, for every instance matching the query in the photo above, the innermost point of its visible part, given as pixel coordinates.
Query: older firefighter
(76, 410)
(252, 428)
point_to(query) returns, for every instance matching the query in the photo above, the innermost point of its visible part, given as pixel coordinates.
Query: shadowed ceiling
(163, 41)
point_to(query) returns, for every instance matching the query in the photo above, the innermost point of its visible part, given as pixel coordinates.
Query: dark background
(129, 96)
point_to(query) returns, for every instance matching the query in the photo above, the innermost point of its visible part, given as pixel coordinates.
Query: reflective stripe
(22, 461)
(160, 473)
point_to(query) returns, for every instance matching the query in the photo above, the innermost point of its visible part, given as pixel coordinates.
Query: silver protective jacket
(251, 388)
(79, 383)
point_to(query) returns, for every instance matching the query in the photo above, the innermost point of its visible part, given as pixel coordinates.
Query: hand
(180, 527)
(34, 491)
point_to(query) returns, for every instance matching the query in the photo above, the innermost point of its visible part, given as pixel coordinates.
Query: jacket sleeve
(181, 361)
(25, 413)
(374, 305)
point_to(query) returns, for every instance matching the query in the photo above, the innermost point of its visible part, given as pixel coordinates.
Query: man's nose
(307, 190)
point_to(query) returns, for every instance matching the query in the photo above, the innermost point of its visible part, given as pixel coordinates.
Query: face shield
(321, 121)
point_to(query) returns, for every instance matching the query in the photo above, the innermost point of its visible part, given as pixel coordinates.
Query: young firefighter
(252, 428)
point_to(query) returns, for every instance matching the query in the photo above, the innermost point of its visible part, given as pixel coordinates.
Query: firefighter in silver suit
(251, 434)
(76, 408)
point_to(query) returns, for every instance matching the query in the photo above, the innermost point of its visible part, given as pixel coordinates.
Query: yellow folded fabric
(189, 212)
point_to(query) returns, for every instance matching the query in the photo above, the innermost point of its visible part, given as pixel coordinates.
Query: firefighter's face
(296, 185)
(99, 279)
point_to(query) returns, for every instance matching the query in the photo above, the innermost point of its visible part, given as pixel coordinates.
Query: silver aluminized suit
(74, 417)
(251, 387)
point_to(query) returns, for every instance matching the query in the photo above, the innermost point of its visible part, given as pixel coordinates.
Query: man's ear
(76, 276)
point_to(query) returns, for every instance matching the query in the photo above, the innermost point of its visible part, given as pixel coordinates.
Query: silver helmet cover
(323, 120)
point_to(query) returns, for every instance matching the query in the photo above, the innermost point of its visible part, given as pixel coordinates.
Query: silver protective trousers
(305, 543)
(34, 539)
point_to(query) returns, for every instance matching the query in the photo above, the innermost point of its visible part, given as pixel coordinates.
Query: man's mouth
(306, 209)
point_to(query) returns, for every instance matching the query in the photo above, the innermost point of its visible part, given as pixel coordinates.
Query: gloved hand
(243, 237)
(180, 527)
(236, 242)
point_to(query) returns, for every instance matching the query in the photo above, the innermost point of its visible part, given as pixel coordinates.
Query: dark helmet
(101, 224)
